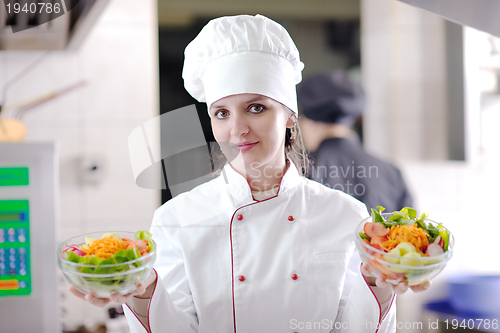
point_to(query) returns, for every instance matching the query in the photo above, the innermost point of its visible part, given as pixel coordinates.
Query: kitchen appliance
(28, 238)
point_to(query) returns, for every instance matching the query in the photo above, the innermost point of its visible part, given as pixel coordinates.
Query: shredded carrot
(407, 233)
(105, 247)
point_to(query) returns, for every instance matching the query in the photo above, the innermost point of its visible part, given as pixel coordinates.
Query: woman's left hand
(400, 288)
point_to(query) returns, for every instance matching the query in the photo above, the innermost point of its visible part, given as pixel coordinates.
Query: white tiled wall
(403, 65)
(119, 61)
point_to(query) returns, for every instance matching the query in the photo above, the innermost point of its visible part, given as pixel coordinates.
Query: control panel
(15, 272)
(29, 281)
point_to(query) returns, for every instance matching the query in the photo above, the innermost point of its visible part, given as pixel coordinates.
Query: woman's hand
(143, 289)
(400, 288)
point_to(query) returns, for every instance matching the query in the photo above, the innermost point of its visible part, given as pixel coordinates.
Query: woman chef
(259, 248)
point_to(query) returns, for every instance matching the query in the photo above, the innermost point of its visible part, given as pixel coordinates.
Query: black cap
(330, 98)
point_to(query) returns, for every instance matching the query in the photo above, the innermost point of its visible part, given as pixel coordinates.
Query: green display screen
(14, 176)
(15, 252)
(10, 217)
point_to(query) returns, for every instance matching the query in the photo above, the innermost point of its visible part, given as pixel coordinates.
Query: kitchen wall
(403, 59)
(464, 195)
(404, 74)
(119, 62)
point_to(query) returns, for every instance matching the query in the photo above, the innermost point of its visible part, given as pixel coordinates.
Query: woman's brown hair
(294, 146)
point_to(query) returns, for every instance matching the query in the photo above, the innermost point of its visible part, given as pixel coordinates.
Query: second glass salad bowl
(412, 268)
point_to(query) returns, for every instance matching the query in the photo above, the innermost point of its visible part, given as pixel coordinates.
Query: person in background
(329, 105)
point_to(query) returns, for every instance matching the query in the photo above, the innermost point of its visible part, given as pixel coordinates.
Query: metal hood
(33, 28)
(482, 15)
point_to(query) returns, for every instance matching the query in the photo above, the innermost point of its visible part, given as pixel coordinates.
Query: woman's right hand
(400, 288)
(144, 289)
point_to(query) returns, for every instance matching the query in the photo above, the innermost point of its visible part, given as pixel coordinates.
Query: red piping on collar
(279, 187)
(135, 315)
(149, 326)
(378, 303)
(231, 242)
(231, 230)
(232, 269)
(380, 319)
(392, 301)
(152, 294)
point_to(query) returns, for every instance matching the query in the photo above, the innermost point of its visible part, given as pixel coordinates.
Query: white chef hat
(242, 54)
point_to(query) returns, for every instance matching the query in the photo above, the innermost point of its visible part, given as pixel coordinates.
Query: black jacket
(343, 164)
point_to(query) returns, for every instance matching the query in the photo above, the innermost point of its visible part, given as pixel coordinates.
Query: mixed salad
(111, 255)
(407, 238)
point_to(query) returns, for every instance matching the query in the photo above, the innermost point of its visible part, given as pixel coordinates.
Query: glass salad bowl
(119, 274)
(402, 263)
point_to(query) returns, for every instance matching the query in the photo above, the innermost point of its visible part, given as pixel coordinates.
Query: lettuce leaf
(377, 214)
(142, 234)
(364, 236)
(71, 256)
(445, 235)
(408, 216)
(122, 256)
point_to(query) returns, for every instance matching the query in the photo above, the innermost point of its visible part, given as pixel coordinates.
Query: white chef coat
(229, 263)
